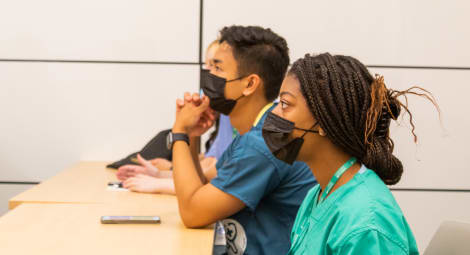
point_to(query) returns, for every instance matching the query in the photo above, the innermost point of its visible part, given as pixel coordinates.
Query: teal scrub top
(360, 217)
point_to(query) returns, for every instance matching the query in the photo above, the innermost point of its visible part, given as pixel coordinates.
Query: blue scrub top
(271, 190)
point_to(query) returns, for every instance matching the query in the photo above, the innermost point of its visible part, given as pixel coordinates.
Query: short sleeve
(245, 172)
(371, 241)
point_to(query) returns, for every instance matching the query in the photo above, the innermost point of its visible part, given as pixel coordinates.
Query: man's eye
(283, 105)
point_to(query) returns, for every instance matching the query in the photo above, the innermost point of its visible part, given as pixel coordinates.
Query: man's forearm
(194, 145)
(185, 176)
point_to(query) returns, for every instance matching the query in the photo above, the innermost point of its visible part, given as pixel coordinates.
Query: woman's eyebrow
(286, 93)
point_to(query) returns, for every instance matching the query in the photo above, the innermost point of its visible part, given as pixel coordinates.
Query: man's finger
(204, 105)
(179, 102)
(211, 113)
(196, 98)
(187, 97)
(208, 115)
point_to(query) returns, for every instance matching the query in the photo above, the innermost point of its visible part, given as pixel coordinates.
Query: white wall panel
(144, 30)
(425, 211)
(55, 114)
(440, 158)
(430, 33)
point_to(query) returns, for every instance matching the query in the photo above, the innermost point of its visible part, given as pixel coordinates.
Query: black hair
(260, 51)
(355, 109)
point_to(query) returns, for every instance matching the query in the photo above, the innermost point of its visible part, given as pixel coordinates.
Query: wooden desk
(62, 216)
(76, 229)
(84, 183)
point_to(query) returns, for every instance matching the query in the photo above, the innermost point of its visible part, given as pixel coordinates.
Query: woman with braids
(335, 116)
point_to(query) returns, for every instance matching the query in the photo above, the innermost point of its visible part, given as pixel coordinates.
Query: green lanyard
(305, 223)
(234, 133)
(335, 178)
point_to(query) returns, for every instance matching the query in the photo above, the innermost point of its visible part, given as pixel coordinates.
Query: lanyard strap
(234, 133)
(305, 222)
(335, 177)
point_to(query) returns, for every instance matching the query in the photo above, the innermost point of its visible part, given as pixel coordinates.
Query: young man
(147, 177)
(255, 194)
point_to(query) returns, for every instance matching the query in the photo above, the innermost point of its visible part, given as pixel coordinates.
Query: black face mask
(214, 87)
(276, 132)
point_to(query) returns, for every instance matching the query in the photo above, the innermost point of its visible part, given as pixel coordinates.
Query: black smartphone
(115, 184)
(130, 219)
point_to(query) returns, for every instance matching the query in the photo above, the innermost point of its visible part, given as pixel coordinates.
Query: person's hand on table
(162, 164)
(148, 184)
(146, 167)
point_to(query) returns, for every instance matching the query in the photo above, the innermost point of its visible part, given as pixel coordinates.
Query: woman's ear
(321, 132)
(253, 83)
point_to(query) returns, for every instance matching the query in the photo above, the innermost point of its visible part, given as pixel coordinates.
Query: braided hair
(355, 109)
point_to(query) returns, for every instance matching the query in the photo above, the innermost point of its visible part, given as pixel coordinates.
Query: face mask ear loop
(236, 79)
(309, 130)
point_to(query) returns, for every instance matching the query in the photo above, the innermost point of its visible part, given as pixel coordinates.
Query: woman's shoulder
(370, 206)
(368, 198)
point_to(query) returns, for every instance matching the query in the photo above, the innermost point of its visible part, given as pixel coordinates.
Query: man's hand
(128, 171)
(193, 115)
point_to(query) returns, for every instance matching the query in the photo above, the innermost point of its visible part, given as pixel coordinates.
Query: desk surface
(83, 183)
(76, 229)
(62, 216)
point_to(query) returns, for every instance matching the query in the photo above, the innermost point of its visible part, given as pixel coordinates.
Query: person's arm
(146, 167)
(164, 174)
(194, 144)
(209, 169)
(163, 183)
(161, 164)
(148, 184)
(199, 204)
(208, 162)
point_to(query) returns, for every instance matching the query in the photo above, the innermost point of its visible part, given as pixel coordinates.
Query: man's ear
(253, 82)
